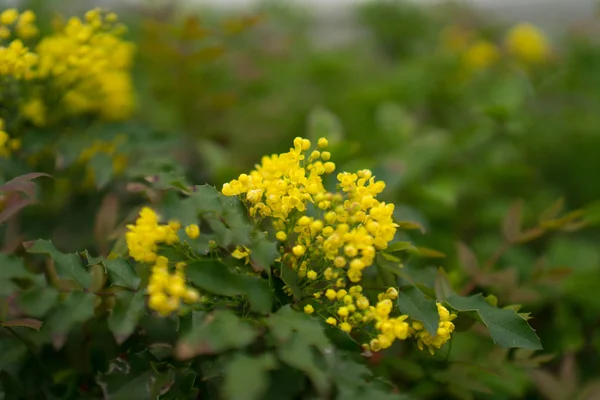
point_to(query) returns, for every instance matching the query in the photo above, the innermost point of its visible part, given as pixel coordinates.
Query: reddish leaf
(553, 211)
(529, 235)
(467, 258)
(106, 219)
(22, 184)
(512, 221)
(13, 207)
(24, 323)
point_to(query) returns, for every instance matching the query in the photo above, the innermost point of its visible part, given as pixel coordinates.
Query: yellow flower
(242, 252)
(299, 250)
(331, 321)
(343, 312)
(480, 55)
(281, 236)
(192, 231)
(443, 334)
(309, 309)
(528, 44)
(9, 16)
(312, 275)
(331, 294)
(35, 111)
(346, 327)
(322, 143)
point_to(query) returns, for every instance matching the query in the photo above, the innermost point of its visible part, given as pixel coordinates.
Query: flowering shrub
(296, 279)
(239, 271)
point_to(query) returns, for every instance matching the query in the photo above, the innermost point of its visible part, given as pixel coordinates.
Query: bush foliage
(228, 206)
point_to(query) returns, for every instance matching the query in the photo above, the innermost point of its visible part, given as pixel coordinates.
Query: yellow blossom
(9, 16)
(528, 44)
(480, 55)
(281, 236)
(192, 231)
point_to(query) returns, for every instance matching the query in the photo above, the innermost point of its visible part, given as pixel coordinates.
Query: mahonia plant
(76, 76)
(327, 242)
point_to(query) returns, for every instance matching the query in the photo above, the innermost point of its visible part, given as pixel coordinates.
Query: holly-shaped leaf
(129, 309)
(67, 265)
(247, 378)
(507, 328)
(416, 305)
(218, 332)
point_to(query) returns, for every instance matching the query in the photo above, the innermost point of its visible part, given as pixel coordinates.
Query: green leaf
(129, 309)
(323, 123)
(247, 378)
(412, 301)
(259, 295)
(38, 301)
(136, 379)
(298, 334)
(216, 278)
(506, 327)
(77, 307)
(395, 122)
(290, 278)
(443, 288)
(401, 246)
(102, 166)
(219, 279)
(429, 253)
(263, 252)
(67, 265)
(12, 268)
(121, 273)
(219, 332)
(391, 258)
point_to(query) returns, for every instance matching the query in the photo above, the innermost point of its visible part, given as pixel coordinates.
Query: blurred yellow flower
(528, 44)
(480, 55)
(35, 111)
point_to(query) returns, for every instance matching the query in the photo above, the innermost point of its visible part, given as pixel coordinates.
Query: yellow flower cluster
(17, 61)
(90, 62)
(444, 331)
(283, 183)
(7, 145)
(167, 289)
(23, 25)
(144, 237)
(328, 239)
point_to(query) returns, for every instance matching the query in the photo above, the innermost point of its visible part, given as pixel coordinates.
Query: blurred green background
(468, 134)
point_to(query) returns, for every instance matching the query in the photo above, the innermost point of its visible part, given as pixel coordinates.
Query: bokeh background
(480, 116)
